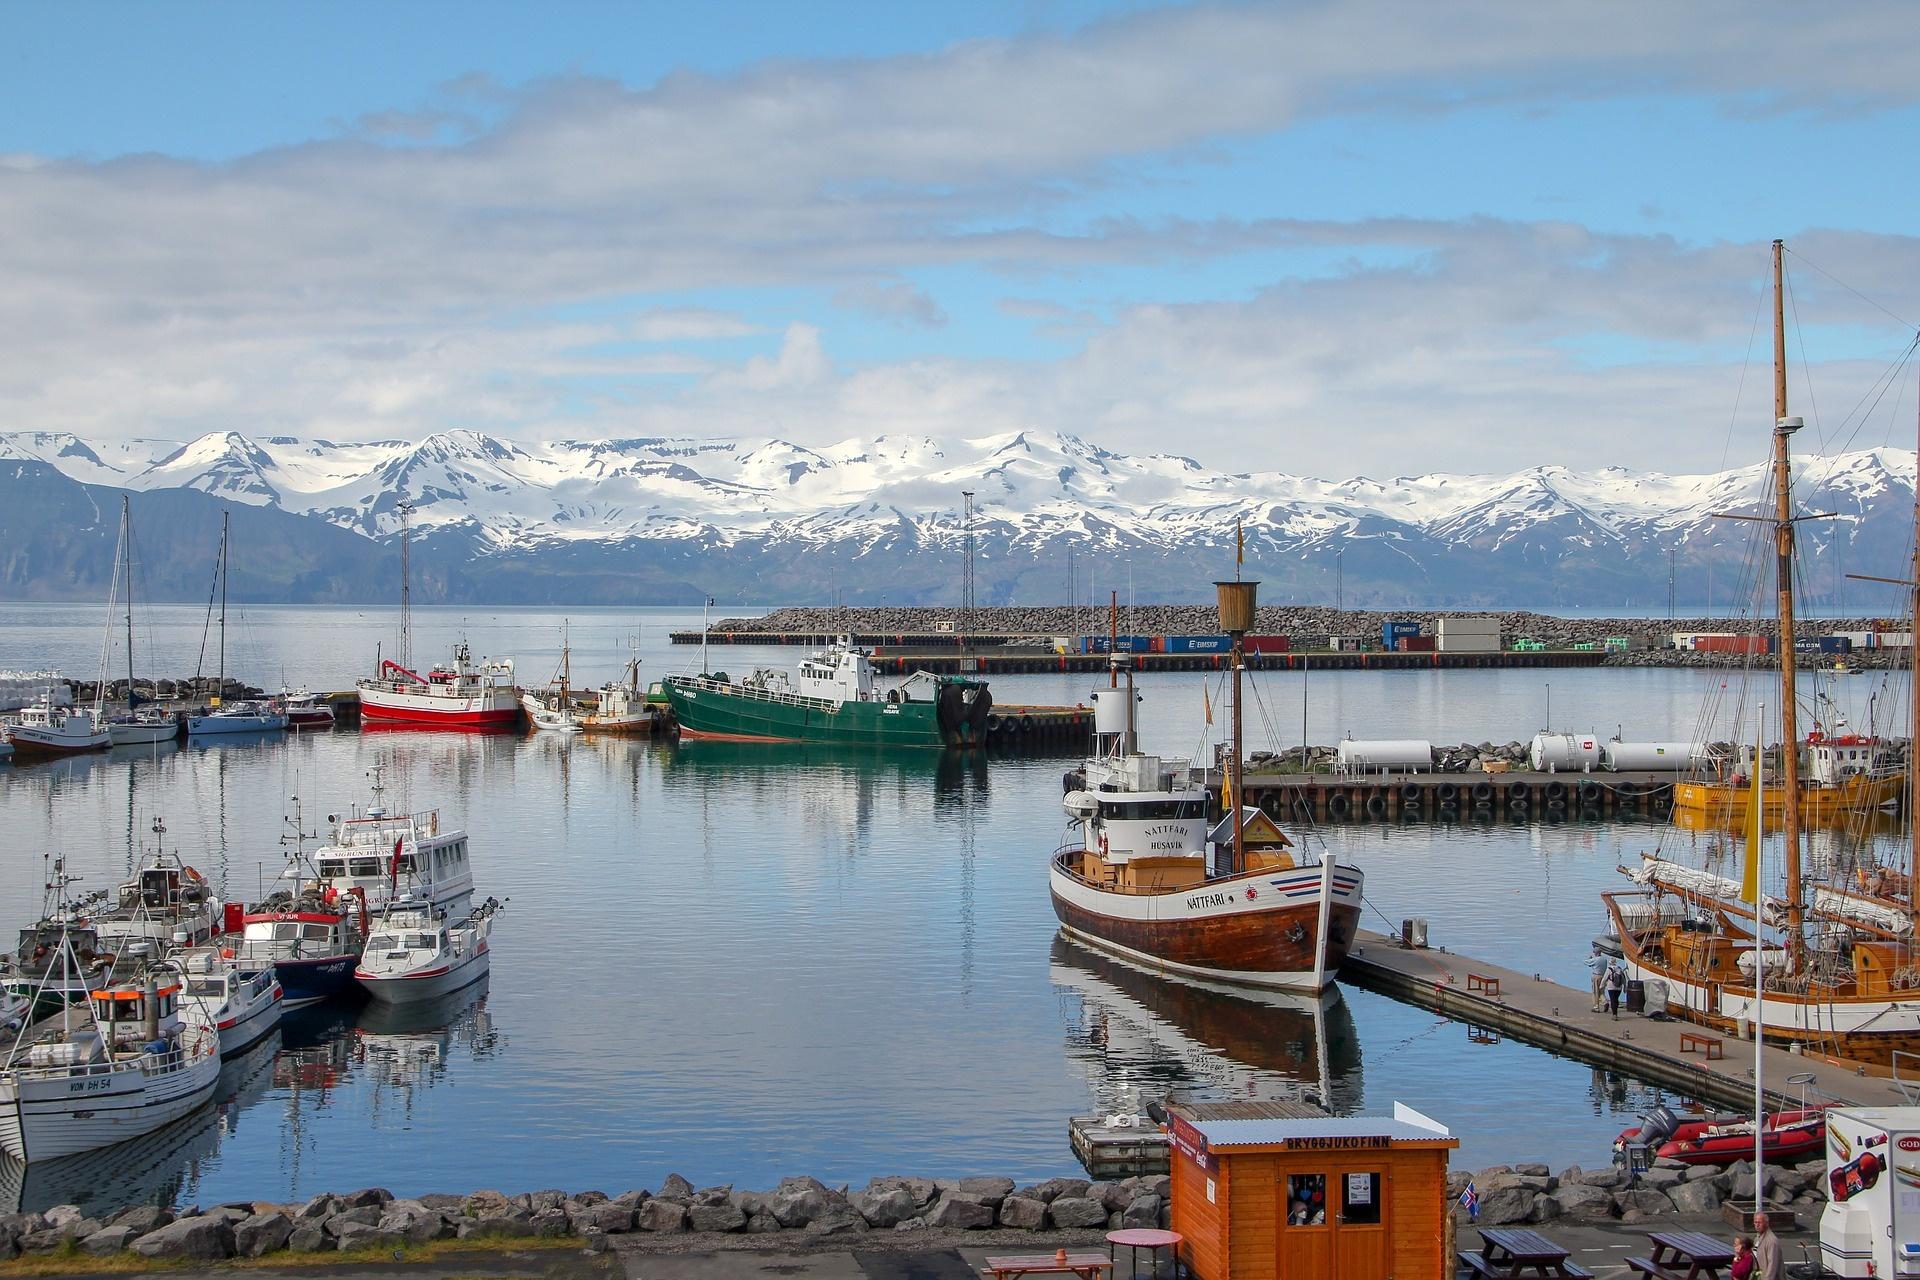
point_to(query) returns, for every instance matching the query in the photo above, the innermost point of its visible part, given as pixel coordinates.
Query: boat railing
(753, 693)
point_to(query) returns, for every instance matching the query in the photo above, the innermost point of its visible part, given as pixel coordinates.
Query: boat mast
(1913, 722)
(126, 538)
(220, 691)
(1783, 430)
(566, 669)
(406, 586)
(1113, 642)
(1236, 601)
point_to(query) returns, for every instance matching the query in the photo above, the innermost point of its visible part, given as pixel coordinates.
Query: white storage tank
(1386, 755)
(1652, 757)
(1557, 751)
(1110, 711)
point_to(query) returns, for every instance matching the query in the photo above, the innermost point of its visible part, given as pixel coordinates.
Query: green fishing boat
(832, 697)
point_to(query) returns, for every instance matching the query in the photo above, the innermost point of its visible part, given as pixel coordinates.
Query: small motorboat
(48, 729)
(306, 710)
(144, 727)
(1788, 1136)
(243, 1005)
(418, 952)
(247, 715)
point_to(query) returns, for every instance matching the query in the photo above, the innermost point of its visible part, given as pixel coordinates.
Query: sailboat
(243, 716)
(141, 726)
(553, 711)
(1851, 983)
(1146, 879)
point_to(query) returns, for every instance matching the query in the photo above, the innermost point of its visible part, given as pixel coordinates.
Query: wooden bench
(1086, 1266)
(1479, 1266)
(1713, 1047)
(1652, 1270)
(1481, 982)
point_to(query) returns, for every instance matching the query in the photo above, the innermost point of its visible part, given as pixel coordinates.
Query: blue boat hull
(320, 978)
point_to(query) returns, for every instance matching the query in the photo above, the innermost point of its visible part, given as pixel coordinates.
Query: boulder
(364, 1216)
(1642, 1201)
(1661, 1178)
(1507, 1204)
(309, 1237)
(368, 1196)
(108, 1240)
(1076, 1211)
(15, 1225)
(1141, 1211)
(262, 1233)
(445, 1204)
(552, 1223)
(714, 1195)
(361, 1235)
(886, 1206)
(1742, 1185)
(1578, 1200)
(589, 1198)
(1533, 1170)
(760, 1224)
(613, 1218)
(959, 1213)
(541, 1201)
(200, 1238)
(1053, 1188)
(428, 1227)
(45, 1240)
(991, 1191)
(662, 1215)
(319, 1208)
(510, 1221)
(725, 1216)
(676, 1188)
(923, 1190)
(1545, 1208)
(1702, 1196)
(63, 1215)
(798, 1201)
(1023, 1213)
(1611, 1178)
(838, 1222)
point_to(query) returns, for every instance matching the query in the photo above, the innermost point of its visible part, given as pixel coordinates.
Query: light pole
(706, 604)
(966, 587)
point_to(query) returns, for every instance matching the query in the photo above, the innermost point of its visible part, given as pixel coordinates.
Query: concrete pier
(1494, 1000)
(1516, 796)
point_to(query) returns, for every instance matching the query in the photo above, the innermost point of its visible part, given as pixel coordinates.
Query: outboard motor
(1657, 1126)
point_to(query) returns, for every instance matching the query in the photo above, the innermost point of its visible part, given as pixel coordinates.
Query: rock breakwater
(1530, 1193)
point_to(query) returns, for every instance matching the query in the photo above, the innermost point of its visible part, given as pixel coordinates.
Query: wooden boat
(1145, 877)
(1852, 985)
(622, 706)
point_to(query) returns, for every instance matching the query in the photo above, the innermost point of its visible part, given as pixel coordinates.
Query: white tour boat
(121, 1064)
(421, 952)
(243, 1005)
(376, 852)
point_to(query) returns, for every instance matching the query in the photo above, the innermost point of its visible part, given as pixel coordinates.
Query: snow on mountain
(1035, 495)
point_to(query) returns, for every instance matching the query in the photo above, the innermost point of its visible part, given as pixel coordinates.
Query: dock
(1494, 1001)
(1515, 796)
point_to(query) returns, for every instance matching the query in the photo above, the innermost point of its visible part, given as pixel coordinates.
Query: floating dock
(1494, 1001)
(1515, 796)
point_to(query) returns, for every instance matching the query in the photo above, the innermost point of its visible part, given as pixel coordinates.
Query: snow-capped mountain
(880, 519)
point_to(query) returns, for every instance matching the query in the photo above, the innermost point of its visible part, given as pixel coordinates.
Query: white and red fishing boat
(1143, 876)
(420, 952)
(47, 729)
(461, 694)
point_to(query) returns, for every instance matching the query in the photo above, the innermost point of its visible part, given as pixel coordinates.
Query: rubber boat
(1788, 1136)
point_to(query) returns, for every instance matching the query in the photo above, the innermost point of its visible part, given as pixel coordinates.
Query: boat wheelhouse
(379, 856)
(166, 904)
(421, 952)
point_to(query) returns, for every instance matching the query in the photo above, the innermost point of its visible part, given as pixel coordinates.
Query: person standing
(1767, 1262)
(1616, 986)
(1597, 963)
(1742, 1268)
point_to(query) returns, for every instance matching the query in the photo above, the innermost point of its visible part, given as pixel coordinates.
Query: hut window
(1306, 1199)
(1362, 1199)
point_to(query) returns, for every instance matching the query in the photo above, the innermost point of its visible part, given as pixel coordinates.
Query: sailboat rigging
(243, 715)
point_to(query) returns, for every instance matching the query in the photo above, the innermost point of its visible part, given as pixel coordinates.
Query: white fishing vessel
(47, 729)
(250, 715)
(420, 952)
(374, 853)
(120, 1064)
(552, 710)
(243, 1005)
(166, 904)
(1143, 876)
(622, 706)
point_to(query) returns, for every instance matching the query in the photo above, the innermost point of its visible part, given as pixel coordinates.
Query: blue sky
(1322, 237)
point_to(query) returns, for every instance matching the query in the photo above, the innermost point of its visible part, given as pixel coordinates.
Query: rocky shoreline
(1531, 1193)
(376, 1219)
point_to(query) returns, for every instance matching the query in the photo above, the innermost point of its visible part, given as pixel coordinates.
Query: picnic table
(1134, 1239)
(1683, 1255)
(1510, 1252)
(1087, 1266)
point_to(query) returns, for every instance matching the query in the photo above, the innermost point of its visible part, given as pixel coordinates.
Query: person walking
(1742, 1268)
(1767, 1262)
(1597, 963)
(1616, 986)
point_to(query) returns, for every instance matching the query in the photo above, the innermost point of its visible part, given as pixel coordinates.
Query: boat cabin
(840, 673)
(129, 1012)
(1833, 760)
(1285, 1191)
(384, 856)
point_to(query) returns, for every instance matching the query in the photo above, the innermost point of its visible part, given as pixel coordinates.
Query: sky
(1315, 237)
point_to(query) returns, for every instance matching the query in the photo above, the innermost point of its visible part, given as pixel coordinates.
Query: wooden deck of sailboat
(1560, 1018)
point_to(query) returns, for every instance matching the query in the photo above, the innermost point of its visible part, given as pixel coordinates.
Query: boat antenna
(966, 582)
(1236, 603)
(220, 691)
(406, 583)
(1113, 640)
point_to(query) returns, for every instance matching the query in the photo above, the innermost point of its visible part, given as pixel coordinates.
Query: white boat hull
(1796, 1019)
(427, 984)
(547, 720)
(45, 1115)
(141, 734)
(35, 741)
(207, 726)
(241, 1029)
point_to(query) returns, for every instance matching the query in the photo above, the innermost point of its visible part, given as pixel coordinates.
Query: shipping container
(1480, 624)
(1468, 644)
(1893, 640)
(1345, 644)
(1268, 644)
(1727, 643)
(1390, 632)
(1859, 639)
(1197, 644)
(1124, 644)
(1414, 644)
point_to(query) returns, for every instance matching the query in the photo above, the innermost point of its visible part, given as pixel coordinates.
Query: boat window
(286, 932)
(1362, 1203)
(333, 866)
(366, 866)
(1306, 1199)
(420, 942)
(206, 987)
(316, 932)
(381, 942)
(1149, 810)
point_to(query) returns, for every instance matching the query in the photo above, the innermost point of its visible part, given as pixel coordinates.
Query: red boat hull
(1790, 1140)
(410, 718)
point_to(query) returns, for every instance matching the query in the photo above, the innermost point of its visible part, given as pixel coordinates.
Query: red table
(1134, 1239)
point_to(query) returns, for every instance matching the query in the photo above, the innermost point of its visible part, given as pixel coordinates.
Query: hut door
(1305, 1229)
(1360, 1227)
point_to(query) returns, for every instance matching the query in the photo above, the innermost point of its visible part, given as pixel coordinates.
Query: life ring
(1376, 805)
(1338, 806)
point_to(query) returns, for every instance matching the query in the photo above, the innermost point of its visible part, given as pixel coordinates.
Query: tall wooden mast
(1236, 603)
(1783, 430)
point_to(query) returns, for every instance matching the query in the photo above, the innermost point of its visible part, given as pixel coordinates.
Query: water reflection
(152, 1169)
(1141, 1035)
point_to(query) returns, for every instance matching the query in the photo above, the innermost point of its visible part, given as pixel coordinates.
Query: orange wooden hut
(1285, 1191)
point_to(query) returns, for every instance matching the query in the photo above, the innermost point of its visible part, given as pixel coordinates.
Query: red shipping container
(1414, 644)
(1731, 644)
(1268, 644)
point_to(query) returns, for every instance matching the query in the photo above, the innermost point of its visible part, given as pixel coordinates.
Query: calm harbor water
(740, 962)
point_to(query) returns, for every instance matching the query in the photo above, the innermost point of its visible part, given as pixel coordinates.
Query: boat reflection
(154, 1168)
(702, 758)
(387, 1048)
(1142, 1035)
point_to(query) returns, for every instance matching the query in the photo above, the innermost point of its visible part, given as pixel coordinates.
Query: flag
(1207, 699)
(1239, 544)
(393, 864)
(1470, 1200)
(1756, 825)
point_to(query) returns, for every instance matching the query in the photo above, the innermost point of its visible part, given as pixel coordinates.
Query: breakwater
(1531, 1193)
(374, 1218)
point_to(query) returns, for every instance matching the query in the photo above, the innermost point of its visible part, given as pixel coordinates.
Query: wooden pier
(1495, 1001)
(1522, 796)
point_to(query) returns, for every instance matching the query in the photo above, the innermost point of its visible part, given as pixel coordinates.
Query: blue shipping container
(1391, 632)
(1836, 644)
(1199, 644)
(1124, 644)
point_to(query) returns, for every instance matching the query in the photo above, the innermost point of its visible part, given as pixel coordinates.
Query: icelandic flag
(1471, 1199)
